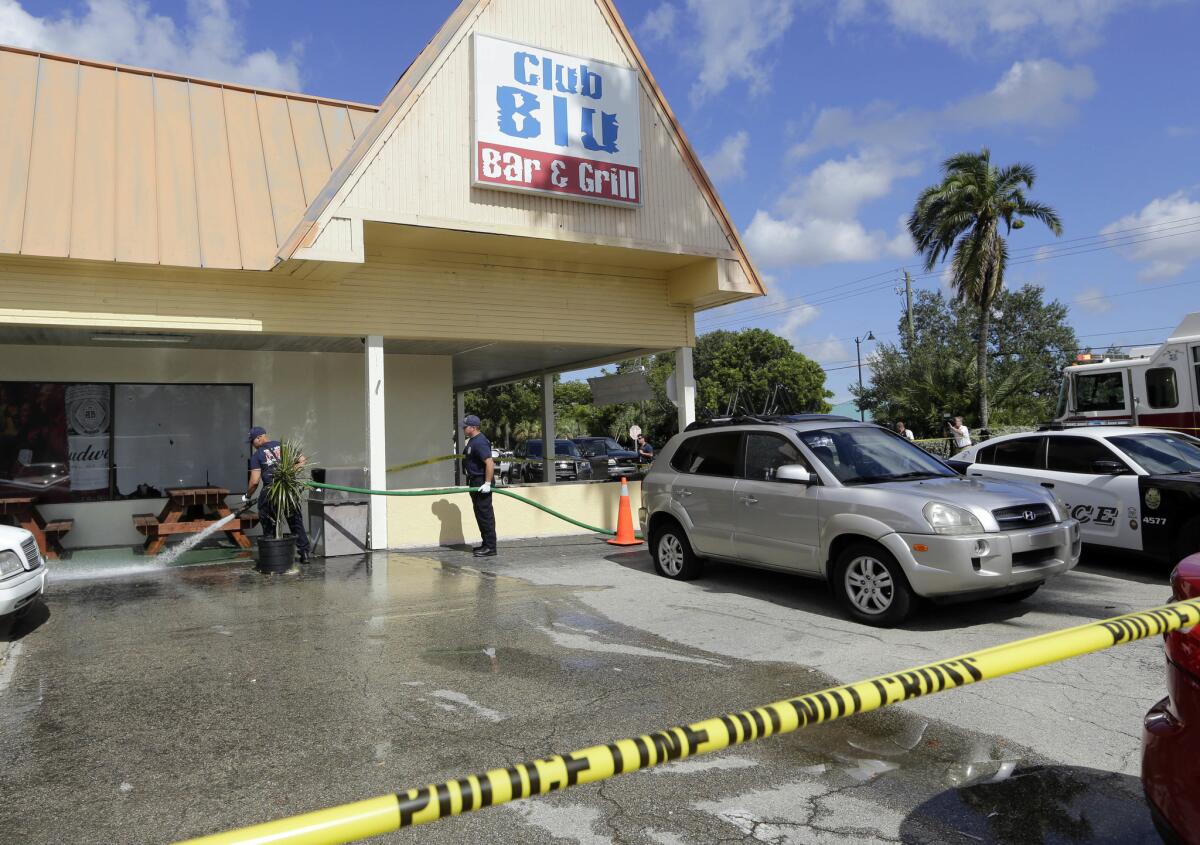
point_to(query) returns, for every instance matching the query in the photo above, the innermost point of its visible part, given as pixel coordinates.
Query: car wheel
(672, 553)
(871, 586)
(1020, 595)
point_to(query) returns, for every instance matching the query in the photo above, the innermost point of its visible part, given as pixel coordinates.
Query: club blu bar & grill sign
(549, 123)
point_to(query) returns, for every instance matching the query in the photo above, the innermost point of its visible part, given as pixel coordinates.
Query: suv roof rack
(777, 419)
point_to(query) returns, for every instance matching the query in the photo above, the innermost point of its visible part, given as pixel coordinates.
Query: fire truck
(1151, 386)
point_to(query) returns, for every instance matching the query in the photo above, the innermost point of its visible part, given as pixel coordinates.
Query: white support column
(376, 441)
(548, 427)
(460, 411)
(685, 387)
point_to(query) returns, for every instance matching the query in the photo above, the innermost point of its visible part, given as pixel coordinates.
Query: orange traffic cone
(625, 536)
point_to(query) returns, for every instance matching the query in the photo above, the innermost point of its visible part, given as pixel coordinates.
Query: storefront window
(78, 442)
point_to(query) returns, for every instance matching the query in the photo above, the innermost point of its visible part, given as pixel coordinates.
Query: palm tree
(964, 213)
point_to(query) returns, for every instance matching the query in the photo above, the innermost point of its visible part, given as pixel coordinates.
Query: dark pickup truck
(609, 456)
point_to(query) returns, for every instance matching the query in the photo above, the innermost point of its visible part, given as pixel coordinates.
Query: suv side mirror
(1108, 468)
(794, 474)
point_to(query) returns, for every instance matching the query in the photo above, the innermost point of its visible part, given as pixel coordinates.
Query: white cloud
(1093, 301)
(209, 44)
(968, 24)
(799, 316)
(1037, 93)
(828, 350)
(815, 220)
(728, 162)
(902, 245)
(1169, 249)
(733, 39)
(659, 23)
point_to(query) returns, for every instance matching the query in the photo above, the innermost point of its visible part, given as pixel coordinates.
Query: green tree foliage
(754, 359)
(1029, 341)
(965, 214)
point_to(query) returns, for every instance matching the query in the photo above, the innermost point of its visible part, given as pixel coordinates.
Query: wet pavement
(165, 703)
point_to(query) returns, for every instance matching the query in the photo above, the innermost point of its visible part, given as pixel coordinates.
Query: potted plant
(286, 493)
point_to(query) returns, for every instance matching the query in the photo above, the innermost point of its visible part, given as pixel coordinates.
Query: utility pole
(908, 297)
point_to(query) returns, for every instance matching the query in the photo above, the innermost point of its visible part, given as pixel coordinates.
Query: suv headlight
(612, 462)
(950, 519)
(10, 564)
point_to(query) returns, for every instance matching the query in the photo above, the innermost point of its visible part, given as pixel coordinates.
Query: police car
(1130, 487)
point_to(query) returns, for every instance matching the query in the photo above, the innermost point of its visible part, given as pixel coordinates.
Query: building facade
(181, 258)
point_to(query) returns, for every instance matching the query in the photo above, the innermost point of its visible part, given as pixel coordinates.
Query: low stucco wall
(448, 520)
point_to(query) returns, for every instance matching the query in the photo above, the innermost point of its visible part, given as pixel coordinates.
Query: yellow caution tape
(351, 822)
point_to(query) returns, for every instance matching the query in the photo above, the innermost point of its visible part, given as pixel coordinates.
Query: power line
(1111, 240)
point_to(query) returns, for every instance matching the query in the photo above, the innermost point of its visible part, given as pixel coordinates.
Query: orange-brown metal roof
(113, 163)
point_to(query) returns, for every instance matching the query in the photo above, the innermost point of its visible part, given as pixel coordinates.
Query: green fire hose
(445, 491)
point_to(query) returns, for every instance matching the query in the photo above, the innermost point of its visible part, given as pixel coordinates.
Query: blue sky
(820, 122)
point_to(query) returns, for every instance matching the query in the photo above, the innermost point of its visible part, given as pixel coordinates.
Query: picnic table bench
(48, 533)
(190, 510)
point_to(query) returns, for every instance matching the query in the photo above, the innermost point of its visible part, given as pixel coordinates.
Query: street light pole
(858, 342)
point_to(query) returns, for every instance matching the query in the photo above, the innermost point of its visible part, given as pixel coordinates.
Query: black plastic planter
(276, 555)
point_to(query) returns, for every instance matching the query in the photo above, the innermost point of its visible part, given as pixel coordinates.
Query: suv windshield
(1161, 453)
(871, 455)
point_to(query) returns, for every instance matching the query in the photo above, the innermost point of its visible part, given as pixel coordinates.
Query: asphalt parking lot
(165, 704)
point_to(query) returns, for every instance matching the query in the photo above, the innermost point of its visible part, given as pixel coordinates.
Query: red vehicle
(1171, 743)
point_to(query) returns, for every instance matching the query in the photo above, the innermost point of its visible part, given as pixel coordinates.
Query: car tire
(871, 586)
(672, 553)
(1020, 595)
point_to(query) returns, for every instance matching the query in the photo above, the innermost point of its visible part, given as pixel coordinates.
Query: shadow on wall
(450, 517)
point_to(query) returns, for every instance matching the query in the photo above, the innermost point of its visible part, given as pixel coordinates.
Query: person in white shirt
(960, 433)
(902, 429)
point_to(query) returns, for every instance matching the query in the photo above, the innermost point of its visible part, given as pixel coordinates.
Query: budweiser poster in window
(89, 417)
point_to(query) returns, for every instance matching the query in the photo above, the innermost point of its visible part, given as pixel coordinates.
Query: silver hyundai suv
(879, 518)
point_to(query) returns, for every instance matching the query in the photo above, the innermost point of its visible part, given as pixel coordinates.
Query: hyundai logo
(1030, 516)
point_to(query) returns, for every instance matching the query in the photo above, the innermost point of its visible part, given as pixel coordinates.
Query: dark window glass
(986, 455)
(766, 453)
(533, 449)
(1100, 392)
(1076, 454)
(1161, 389)
(89, 442)
(708, 454)
(1023, 452)
(1162, 452)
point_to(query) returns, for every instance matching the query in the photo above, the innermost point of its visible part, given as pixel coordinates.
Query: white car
(1130, 487)
(22, 570)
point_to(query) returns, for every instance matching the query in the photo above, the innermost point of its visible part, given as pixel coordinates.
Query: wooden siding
(423, 171)
(108, 163)
(398, 293)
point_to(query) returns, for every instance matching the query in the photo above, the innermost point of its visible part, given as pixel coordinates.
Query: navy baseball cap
(257, 431)
(472, 420)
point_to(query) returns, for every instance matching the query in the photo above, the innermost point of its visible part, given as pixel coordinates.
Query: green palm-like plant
(964, 213)
(289, 484)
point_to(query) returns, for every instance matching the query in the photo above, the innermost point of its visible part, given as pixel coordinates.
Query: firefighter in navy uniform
(479, 468)
(263, 459)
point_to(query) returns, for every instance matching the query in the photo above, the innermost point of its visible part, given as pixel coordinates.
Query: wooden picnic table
(190, 510)
(23, 510)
